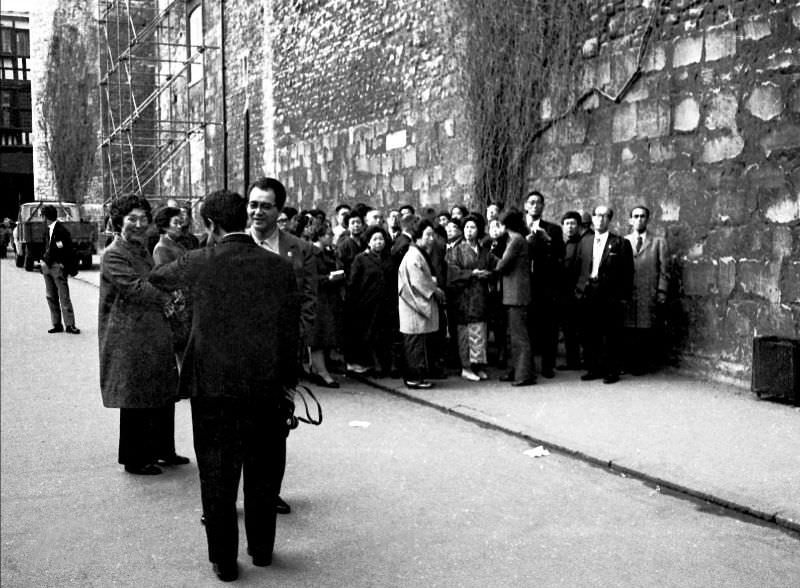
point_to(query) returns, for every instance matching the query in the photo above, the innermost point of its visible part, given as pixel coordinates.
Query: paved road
(416, 498)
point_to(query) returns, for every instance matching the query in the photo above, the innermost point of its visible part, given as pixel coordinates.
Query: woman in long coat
(138, 373)
(325, 337)
(419, 298)
(369, 304)
(470, 266)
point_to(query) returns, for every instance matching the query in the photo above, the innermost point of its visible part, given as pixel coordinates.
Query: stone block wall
(366, 104)
(709, 139)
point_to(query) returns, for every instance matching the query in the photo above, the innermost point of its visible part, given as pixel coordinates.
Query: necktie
(638, 244)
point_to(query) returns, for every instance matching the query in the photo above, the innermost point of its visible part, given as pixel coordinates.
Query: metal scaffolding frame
(146, 98)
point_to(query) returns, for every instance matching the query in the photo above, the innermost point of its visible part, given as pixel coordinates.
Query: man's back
(245, 322)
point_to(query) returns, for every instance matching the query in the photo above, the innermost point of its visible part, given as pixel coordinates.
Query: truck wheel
(19, 259)
(28, 260)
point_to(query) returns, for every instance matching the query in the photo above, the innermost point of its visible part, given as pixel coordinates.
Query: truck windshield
(66, 212)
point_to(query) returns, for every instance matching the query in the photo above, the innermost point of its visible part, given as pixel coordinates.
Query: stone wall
(366, 104)
(709, 139)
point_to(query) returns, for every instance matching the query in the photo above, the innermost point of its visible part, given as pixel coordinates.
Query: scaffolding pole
(154, 115)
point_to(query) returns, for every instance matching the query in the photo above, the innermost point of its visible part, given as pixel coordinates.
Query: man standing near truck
(58, 262)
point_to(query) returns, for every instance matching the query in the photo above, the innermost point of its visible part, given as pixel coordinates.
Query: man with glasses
(266, 198)
(604, 286)
(648, 296)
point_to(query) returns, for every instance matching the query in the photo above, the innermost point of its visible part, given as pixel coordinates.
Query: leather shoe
(261, 560)
(73, 330)
(588, 376)
(172, 460)
(227, 571)
(507, 378)
(281, 507)
(611, 379)
(418, 384)
(56, 329)
(525, 382)
(548, 374)
(143, 470)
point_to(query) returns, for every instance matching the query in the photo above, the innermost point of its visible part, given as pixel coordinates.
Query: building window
(194, 39)
(23, 44)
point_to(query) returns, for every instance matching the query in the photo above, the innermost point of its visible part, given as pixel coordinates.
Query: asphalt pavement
(71, 518)
(711, 441)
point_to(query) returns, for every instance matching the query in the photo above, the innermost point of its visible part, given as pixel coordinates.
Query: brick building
(16, 150)
(362, 101)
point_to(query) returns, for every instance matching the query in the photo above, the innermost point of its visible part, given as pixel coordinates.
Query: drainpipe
(224, 96)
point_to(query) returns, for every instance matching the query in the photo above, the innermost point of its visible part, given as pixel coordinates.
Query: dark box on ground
(776, 368)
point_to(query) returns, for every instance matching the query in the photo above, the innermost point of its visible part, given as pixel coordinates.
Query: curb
(774, 518)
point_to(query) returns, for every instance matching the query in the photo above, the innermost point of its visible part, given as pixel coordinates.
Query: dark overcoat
(470, 293)
(137, 362)
(245, 319)
(370, 299)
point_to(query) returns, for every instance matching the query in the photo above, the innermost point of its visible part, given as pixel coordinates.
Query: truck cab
(29, 235)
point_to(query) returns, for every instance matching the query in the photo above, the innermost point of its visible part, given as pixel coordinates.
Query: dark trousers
(543, 329)
(603, 340)
(146, 434)
(234, 437)
(498, 325)
(570, 319)
(521, 353)
(417, 363)
(643, 350)
(57, 292)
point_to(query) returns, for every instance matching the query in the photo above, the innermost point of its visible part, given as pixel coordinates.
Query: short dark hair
(227, 209)
(372, 230)
(514, 221)
(49, 212)
(265, 184)
(643, 207)
(407, 223)
(407, 206)
(455, 221)
(535, 193)
(444, 213)
(289, 211)
(479, 221)
(347, 217)
(419, 226)
(341, 206)
(572, 214)
(122, 206)
(164, 215)
(320, 230)
(610, 210)
(461, 208)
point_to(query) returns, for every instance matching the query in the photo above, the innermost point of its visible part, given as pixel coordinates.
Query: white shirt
(270, 243)
(597, 252)
(534, 226)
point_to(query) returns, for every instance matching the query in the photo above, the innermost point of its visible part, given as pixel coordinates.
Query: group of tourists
(413, 295)
(271, 295)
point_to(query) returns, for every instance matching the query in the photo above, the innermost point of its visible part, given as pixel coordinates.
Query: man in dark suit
(58, 262)
(266, 198)
(604, 287)
(237, 376)
(546, 243)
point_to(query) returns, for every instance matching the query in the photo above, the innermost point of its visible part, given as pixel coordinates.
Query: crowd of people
(271, 295)
(417, 294)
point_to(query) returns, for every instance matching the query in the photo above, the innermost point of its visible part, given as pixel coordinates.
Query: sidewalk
(708, 440)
